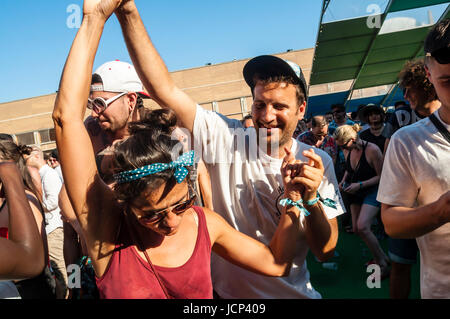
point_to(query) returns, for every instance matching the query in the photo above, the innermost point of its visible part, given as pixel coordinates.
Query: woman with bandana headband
(144, 236)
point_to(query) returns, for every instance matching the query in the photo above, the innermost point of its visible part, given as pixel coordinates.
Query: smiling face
(162, 210)
(276, 112)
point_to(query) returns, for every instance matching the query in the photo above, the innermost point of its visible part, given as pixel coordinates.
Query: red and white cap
(118, 76)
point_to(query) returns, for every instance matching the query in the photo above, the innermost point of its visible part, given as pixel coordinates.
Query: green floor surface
(349, 281)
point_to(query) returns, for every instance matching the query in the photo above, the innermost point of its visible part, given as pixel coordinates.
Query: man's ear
(301, 110)
(427, 72)
(132, 100)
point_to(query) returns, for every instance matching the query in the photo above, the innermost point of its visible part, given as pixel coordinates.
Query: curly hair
(150, 142)
(414, 75)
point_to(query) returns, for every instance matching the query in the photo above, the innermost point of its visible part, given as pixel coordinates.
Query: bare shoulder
(33, 199)
(373, 150)
(216, 224)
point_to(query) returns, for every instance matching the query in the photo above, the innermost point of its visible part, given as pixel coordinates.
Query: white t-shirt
(246, 191)
(51, 186)
(416, 173)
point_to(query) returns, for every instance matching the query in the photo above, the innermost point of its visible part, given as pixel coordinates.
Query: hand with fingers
(301, 178)
(290, 169)
(353, 188)
(100, 8)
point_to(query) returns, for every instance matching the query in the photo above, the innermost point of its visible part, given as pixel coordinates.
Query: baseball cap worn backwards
(118, 76)
(274, 66)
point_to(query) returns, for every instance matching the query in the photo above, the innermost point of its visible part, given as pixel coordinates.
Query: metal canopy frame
(350, 50)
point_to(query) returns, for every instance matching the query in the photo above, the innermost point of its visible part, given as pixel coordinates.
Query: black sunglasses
(178, 209)
(442, 55)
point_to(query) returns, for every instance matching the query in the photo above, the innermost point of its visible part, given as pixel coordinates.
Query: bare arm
(22, 255)
(69, 215)
(248, 253)
(205, 185)
(151, 68)
(404, 222)
(92, 201)
(321, 233)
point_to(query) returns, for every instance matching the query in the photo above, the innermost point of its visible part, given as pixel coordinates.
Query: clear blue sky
(187, 33)
(35, 37)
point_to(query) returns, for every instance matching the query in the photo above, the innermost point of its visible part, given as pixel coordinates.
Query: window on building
(26, 138)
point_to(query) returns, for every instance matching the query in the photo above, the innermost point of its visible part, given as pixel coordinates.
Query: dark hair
(150, 142)
(55, 154)
(438, 37)
(399, 103)
(270, 78)
(413, 74)
(11, 151)
(340, 107)
(4, 136)
(247, 117)
(318, 120)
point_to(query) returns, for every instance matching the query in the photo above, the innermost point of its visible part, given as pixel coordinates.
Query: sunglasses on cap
(99, 104)
(442, 55)
(178, 209)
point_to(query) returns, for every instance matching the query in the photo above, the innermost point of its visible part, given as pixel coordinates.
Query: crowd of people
(139, 199)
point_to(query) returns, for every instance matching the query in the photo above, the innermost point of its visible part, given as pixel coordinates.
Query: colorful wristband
(299, 204)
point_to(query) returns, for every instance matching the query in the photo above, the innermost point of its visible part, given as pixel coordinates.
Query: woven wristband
(299, 204)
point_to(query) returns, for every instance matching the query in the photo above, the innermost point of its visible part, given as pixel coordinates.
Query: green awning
(401, 5)
(352, 50)
(341, 49)
(388, 55)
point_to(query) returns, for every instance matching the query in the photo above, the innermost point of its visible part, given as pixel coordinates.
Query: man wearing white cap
(115, 101)
(248, 190)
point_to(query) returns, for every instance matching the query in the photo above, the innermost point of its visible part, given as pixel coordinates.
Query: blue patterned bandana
(187, 159)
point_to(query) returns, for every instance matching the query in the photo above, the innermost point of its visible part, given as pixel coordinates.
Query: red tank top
(129, 276)
(4, 232)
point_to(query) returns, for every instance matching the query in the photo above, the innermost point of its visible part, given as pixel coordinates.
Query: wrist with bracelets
(300, 203)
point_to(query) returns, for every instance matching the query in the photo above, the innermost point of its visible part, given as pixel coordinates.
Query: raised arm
(90, 197)
(22, 255)
(151, 68)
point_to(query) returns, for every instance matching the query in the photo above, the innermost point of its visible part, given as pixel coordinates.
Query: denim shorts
(366, 196)
(403, 251)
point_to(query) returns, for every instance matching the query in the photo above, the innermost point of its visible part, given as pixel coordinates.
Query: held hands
(101, 8)
(301, 180)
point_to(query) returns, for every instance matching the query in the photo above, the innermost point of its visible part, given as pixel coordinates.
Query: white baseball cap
(118, 76)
